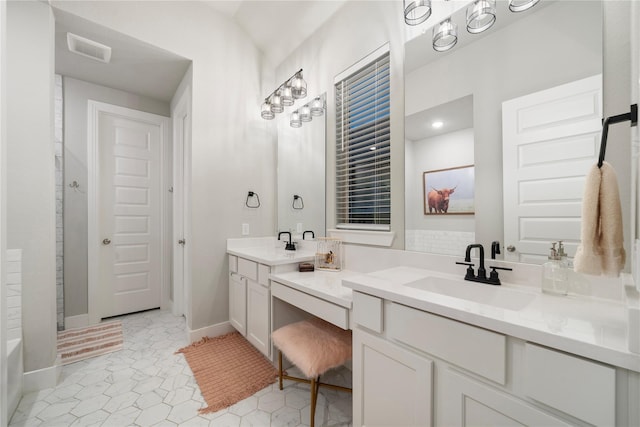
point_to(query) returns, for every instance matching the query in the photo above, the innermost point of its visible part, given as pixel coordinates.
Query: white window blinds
(363, 155)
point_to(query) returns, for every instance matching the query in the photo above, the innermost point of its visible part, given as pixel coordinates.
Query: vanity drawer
(477, 350)
(367, 311)
(233, 264)
(576, 386)
(248, 269)
(328, 311)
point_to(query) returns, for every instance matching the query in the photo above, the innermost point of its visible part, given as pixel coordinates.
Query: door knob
(106, 241)
(511, 248)
(182, 242)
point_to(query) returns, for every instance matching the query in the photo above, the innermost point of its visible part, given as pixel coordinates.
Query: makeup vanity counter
(319, 293)
(443, 351)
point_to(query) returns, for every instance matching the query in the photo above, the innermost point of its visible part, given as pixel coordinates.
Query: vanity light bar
(481, 15)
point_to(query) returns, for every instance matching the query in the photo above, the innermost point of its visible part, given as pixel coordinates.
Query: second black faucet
(290, 246)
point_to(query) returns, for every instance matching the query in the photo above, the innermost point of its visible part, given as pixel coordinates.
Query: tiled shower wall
(59, 150)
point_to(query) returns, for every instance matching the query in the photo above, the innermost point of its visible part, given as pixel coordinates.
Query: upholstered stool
(314, 346)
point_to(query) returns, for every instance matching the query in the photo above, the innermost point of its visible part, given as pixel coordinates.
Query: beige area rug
(228, 369)
(83, 343)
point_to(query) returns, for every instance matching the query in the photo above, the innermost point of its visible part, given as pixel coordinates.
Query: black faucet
(290, 246)
(495, 249)
(493, 278)
(313, 235)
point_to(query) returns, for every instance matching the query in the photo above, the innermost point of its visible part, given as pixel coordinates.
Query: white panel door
(550, 140)
(129, 214)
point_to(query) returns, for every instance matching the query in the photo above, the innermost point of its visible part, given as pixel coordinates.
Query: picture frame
(449, 191)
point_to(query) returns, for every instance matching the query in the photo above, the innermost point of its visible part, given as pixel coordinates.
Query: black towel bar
(632, 116)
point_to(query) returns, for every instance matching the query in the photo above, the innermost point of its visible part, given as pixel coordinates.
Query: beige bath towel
(601, 250)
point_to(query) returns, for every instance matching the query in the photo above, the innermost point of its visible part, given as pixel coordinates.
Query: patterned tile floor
(146, 384)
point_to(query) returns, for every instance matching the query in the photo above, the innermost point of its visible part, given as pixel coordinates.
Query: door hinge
(182, 242)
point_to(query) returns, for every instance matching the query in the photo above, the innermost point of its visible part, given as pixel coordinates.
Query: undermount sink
(476, 292)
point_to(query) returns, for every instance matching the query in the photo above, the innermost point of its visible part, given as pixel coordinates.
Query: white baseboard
(42, 378)
(210, 331)
(79, 321)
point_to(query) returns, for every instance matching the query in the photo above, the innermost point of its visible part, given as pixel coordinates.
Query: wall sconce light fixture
(284, 96)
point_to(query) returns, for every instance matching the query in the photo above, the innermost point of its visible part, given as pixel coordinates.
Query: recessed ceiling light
(437, 124)
(372, 148)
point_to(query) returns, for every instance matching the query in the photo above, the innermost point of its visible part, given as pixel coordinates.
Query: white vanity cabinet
(249, 301)
(412, 367)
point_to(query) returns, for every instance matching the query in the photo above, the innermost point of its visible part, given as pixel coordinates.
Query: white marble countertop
(326, 285)
(589, 327)
(271, 255)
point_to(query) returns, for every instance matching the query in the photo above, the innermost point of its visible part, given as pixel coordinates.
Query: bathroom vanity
(432, 349)
(251, 261)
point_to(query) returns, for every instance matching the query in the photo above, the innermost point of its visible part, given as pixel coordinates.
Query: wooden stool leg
(280, 369)
(314, 397)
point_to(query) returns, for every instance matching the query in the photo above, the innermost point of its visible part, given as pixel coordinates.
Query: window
(363, 146)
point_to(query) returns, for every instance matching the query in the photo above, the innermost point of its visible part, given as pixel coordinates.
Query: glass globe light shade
(286, 97)
(521, 5)
(298, 87)
(266, 112)
(295, 121)
(317, 107)
(481, 15)
(305, 114)
(416, 11)
(276, 103)
(445, 35)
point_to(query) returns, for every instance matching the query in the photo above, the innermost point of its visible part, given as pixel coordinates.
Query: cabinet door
(238, 302)
(258, 316)
(391, 386)
(466, 402)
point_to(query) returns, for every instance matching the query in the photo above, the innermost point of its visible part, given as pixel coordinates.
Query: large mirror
(301, 174)
(462, 91)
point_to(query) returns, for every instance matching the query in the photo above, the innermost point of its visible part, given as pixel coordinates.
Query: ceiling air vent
(88, 48)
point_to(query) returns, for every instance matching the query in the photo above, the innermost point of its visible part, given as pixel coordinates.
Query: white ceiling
(277, 27)
(455, 115)
(135, 67)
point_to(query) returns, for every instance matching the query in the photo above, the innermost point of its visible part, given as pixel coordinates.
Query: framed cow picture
(449, 191)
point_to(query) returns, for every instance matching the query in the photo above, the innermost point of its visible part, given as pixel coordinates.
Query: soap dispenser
(555, 278)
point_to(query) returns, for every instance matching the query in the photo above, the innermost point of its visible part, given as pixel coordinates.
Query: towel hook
(300, 205)
(632, 116)
(249, 196)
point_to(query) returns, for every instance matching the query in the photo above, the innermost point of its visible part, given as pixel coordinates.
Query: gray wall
(233, 149)
(356, 30)
(77, 93)
(30, 173)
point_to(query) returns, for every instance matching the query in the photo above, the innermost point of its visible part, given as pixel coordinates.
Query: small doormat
(83, 343)
(228, 369)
